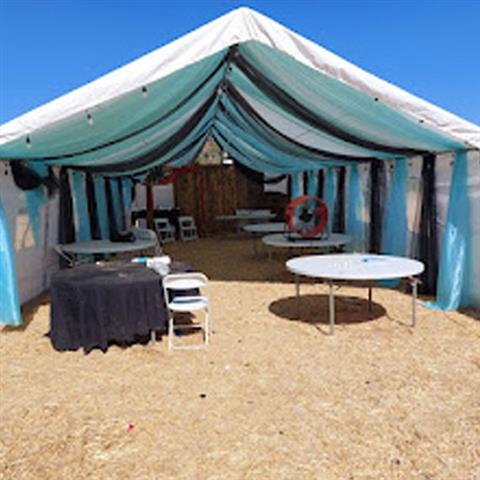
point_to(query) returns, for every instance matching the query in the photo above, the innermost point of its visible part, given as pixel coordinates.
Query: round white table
(92, 247)
(282, 241)
(242, 219)
(363, 267)
(272, 227)
(257, 229)
(246, 216)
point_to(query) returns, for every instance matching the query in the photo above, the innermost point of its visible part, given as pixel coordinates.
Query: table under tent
(277, 103)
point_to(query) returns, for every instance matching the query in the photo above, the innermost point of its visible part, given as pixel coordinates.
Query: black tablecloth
(97, 305)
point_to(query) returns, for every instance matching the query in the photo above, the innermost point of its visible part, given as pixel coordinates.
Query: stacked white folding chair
(186, 304)
(164, 230)
(188, 229)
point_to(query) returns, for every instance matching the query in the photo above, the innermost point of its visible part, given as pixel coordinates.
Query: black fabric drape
(92, 207)
(110, 210)
(339, 210)
(122, 204)
(305, 183)
(428, 239)
(377, 203)
(26, 178)
(66, 226)
(321, 180)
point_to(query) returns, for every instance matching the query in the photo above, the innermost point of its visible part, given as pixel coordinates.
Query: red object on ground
(131, 426)
(320, 211)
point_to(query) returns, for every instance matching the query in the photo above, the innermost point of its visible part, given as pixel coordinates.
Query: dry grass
(271, 398)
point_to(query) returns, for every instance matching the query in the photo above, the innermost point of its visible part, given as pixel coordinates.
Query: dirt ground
(273, 397)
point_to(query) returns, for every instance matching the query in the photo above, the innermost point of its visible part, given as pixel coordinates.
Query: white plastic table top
(106, 246)
(280, 240)
(355, 266)
(246, 216)
(273, 227)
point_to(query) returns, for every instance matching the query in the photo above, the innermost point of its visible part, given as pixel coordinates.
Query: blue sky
(429, 47)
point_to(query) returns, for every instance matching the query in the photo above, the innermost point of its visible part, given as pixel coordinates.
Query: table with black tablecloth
(93, 306)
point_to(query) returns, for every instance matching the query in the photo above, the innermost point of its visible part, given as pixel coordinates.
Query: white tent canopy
(241, 26)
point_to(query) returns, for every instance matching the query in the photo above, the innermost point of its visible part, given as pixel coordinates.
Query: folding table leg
(370, 298)
(297, 294)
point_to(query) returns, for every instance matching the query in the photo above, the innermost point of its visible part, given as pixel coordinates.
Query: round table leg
(414, 282)
(297, 294)
(331, 307)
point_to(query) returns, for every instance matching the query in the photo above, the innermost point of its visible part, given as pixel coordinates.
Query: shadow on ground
(314, 309)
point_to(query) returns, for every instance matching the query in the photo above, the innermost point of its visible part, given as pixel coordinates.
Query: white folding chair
(164, 230)
(188, 229)
(185, 304)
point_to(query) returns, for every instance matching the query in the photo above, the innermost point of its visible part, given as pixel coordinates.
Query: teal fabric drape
(127, 185)
(102, 211)
(355, 209)
(272, 139)
(296, 189)
(34, 200)
(394, 238)
(9, 299)
(80, 205)
(330, 195)
(312, 183)
(455, 260)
